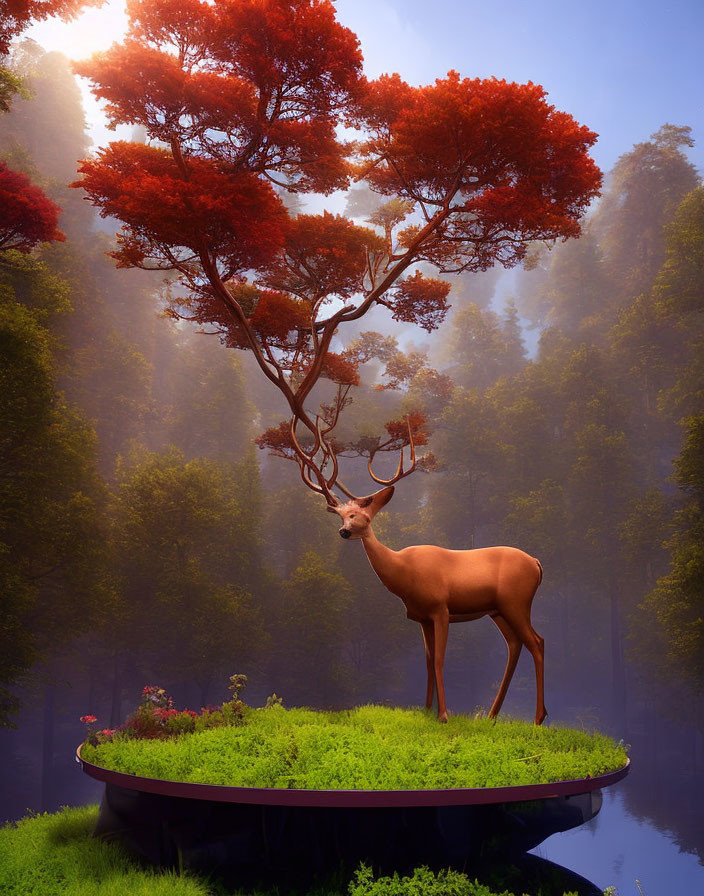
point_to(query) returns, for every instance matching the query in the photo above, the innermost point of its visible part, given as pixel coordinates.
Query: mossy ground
(55, 855)
(367, 748)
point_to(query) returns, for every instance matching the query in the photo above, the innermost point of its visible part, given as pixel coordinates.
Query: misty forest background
(145, 540)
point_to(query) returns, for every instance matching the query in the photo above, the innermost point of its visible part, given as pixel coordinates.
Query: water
(617, 849)
(650, 828)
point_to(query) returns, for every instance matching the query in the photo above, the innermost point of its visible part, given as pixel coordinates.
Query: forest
(146, 539)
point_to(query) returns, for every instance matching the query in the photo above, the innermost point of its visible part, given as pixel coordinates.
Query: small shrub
(273, 702)
(423, 882)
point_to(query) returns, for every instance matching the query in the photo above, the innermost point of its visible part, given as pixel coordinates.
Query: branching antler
(313, 462)
(400, 474)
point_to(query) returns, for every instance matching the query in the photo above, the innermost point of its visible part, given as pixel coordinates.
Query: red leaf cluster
(28, 216)
(398, 431)
(340, 369)
(420, 300)
(196, 206)
(257, 84)
(279, 317)
(277, 440)
(323, 256)
(519, 169)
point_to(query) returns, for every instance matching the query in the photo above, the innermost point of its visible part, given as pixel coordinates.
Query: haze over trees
(132, 499)
(240, 97)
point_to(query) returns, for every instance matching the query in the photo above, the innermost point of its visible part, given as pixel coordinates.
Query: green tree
(185, 549)
(644, 189)
(310, 634)
(50, 495)
(677, 601)
(680, 284)
(480, 347)
(206, 404)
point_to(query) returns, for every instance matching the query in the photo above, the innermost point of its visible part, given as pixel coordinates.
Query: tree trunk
(116, 706)
(618, 671)
(91, 706)
(565, 632)
(47, 780)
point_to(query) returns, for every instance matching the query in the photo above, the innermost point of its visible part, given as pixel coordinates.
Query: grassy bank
(55, 855)
(368, 748)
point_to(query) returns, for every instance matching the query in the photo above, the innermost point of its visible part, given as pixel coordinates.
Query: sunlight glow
(94, 31)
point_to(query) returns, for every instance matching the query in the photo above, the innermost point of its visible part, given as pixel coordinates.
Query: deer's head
(357, 514)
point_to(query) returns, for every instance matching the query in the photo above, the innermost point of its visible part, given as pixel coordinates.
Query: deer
(437, 586)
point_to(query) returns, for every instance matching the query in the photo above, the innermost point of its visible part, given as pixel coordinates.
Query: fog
(146, 499)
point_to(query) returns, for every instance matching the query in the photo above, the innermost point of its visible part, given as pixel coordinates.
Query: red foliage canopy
(245, 93)
(173, 212)
(28, 215)
(256, 85)
(513, 168)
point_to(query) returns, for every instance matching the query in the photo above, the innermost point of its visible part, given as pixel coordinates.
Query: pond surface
(621, 850)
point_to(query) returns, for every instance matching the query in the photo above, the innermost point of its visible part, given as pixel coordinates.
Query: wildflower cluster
(157, 718)
(156, 697)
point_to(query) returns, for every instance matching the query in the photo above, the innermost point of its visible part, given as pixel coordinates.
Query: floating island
(287, 788)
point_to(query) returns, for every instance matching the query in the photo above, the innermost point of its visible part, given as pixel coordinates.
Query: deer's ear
(383, 497)
(377, 500)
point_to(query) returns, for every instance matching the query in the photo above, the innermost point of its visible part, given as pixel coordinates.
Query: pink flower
(89, 719)
(107, 732)
(191, 713)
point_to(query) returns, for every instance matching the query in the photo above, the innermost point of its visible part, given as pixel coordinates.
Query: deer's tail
(540, 570)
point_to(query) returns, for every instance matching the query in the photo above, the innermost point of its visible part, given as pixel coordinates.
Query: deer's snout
(345, 533)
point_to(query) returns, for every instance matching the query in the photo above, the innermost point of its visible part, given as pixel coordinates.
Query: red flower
(89, 719)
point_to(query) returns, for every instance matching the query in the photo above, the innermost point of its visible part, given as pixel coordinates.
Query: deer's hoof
(442, 716)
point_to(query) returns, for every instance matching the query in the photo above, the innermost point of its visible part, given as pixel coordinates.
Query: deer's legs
(513, 642)
(520, 623)
(429, 642)
(440, 625)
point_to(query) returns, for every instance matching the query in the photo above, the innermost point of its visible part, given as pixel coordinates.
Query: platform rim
(275, 796)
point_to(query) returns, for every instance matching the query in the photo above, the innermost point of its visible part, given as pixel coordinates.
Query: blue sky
(623, 67)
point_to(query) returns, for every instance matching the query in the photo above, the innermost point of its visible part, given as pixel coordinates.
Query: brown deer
(438, 586)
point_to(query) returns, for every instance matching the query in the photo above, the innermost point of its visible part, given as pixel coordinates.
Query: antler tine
(328, 451)
(305, 460)
(399, 470)
(341, 396)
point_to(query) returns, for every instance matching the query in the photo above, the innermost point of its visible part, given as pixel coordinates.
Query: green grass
(368, 748)
(55, 855)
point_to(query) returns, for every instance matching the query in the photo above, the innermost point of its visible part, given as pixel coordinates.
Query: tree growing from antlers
(241, 99)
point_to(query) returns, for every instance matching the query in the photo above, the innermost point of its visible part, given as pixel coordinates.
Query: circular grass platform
(370, 748)
(291, 788)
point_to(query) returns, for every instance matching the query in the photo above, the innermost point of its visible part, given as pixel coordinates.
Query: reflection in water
(616, 849)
